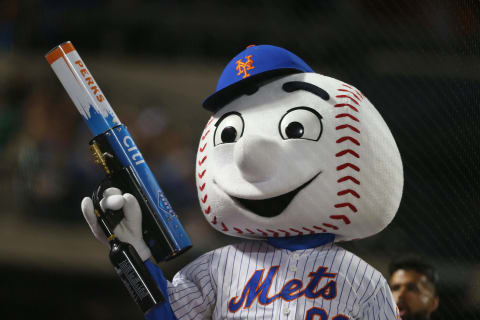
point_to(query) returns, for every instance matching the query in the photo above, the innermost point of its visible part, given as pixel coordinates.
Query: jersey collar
(302, 242)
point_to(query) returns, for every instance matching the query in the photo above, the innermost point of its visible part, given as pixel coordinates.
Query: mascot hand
(129, 229)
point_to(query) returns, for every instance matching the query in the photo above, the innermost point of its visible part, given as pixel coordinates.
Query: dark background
(417, 61)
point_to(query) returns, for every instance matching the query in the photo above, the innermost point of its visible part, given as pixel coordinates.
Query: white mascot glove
(129, 229)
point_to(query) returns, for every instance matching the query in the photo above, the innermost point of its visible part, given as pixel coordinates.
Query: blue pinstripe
(344, 280)
(202, 289)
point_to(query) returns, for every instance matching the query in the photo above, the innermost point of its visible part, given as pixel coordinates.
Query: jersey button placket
(293, 262)
(289, 307)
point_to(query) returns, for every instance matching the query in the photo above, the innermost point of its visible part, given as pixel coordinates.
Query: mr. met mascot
(293, 161)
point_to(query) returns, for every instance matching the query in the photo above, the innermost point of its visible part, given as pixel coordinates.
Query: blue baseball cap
(249, 67)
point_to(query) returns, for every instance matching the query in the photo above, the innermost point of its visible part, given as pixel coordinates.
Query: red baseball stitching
(202, 161)
(300, 233)
(345, 90)
(348, 165)
(275, 234)
(342, 139)
(344, 152)
(343, 115)
(349, 191)
(209, 122)
(309, 230)
(201, 187)
(320, 228)
(341, 105)
(330, 226)
(341, 217)
(347, 126)
(205, 135)
(348, 95)
(342, 179)
(263, 232)
(346, 204)
(200, 175)
(358, 92)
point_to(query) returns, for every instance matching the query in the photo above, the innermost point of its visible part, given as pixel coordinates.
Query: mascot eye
(229, 134)
(294, 130)
(301, 123)
(229, 128)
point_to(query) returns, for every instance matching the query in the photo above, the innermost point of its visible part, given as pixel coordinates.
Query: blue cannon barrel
(104, 124)
(127, 152)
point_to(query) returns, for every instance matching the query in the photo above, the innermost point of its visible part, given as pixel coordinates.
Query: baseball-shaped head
(297, 154)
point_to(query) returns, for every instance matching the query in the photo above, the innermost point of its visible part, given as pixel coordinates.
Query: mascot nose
(257, 157)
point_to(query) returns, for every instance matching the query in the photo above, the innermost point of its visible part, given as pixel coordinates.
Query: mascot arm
(162, 311)
(129, 230)
(192, 290)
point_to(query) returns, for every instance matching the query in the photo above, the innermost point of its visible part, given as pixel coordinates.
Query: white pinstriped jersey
(254, 280)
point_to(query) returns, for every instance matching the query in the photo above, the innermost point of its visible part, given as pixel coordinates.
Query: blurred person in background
(414, 287)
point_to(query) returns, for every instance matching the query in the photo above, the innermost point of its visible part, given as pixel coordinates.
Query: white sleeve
(192, 293)
(380, 306)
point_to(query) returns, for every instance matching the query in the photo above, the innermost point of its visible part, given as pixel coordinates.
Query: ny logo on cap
(243, 67)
